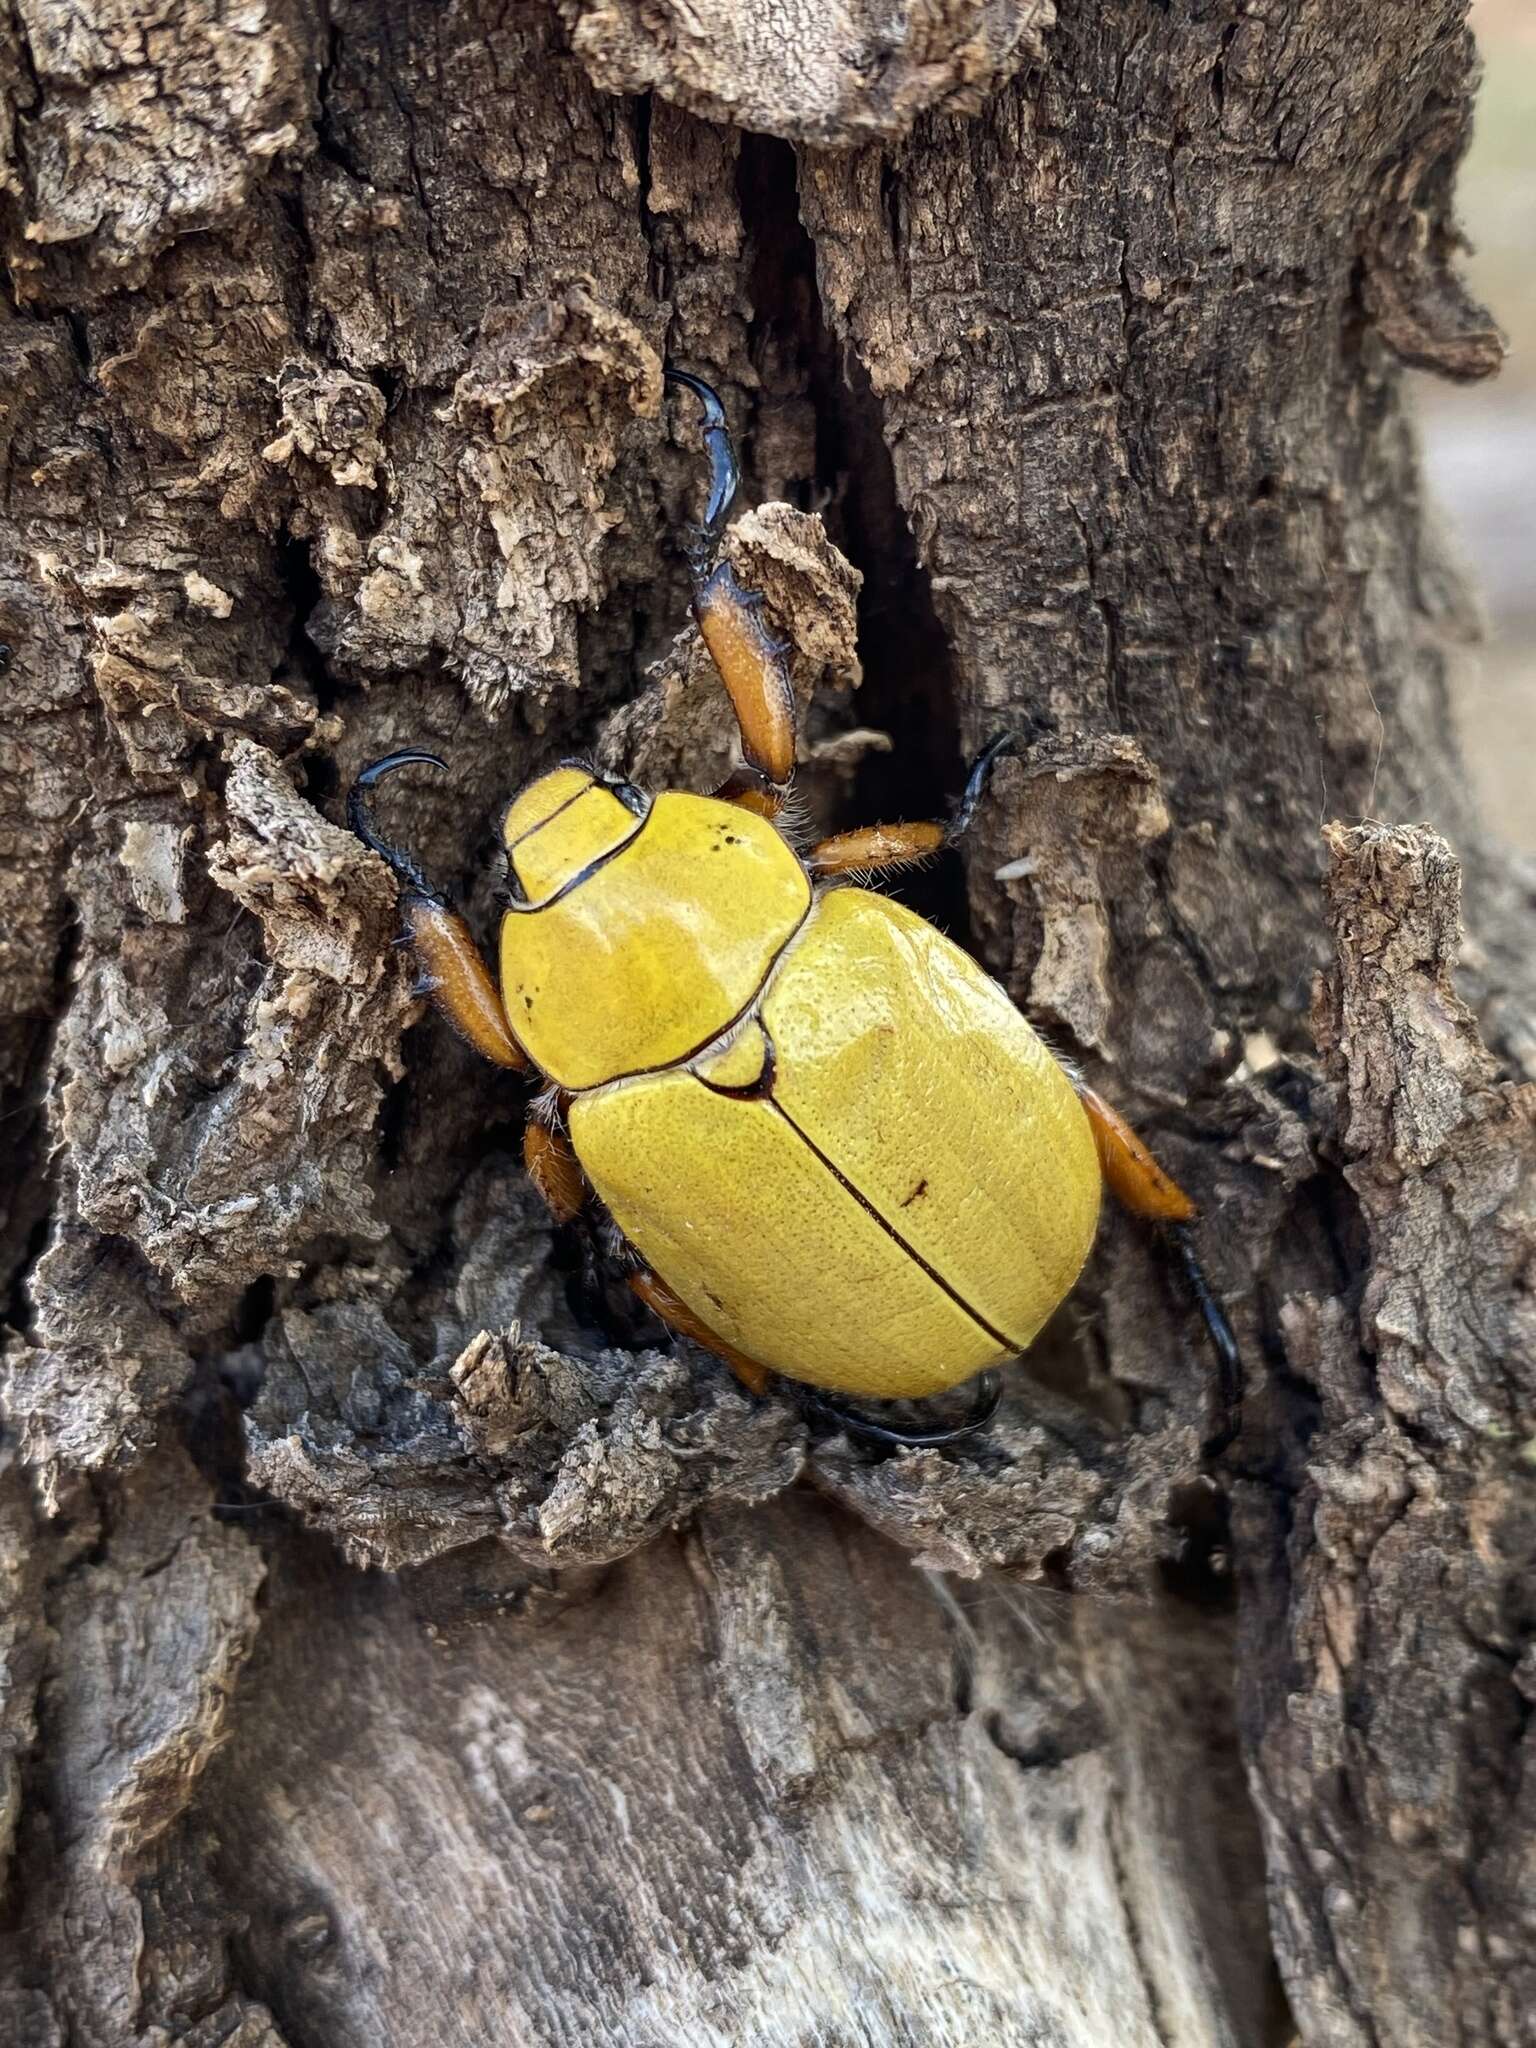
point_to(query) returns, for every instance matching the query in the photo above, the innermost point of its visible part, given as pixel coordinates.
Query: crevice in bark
(27, 1218)
(214, 1435)
(909, 686)
(788, 337)
(1201, 1576)
(328, 142)
(254, 1310)
(80, 337)
(19, 1311)
(301, 586)
(657, 277)
(26, 56)
(395, 1115)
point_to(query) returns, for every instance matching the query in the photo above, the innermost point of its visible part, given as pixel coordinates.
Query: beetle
(834, 1148)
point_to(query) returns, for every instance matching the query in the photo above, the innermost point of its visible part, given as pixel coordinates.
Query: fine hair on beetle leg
(1071, 1066)
(1030, 1610)
(544, 1108)
(967, 1641)
(793, 819)
(616, 1246)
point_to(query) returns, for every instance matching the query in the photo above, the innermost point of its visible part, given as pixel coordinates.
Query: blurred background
(1480, 440)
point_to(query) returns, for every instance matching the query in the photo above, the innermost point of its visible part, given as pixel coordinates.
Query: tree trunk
(403, 1646)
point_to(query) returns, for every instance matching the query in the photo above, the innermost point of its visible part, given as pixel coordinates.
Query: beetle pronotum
(833, 1145)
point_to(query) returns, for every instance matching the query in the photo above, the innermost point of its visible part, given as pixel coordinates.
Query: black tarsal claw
(989, 1393)
(1229, 1360)
(724, 476)
(360, 819)
(976, 783)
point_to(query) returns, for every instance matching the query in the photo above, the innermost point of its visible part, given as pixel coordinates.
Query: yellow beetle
(834, 1147)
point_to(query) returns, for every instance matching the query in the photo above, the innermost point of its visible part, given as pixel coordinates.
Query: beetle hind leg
(989, 1392)
(1223, 1341)
(1139, 1184)
(450, 968)
(672, 1310)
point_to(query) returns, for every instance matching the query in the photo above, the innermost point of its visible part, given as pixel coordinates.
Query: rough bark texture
(401, 1643)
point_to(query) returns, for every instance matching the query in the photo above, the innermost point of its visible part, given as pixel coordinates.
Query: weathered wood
(400, 1647)
(1389, 1618)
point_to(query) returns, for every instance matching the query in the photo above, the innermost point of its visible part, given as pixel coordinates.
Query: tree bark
(402, 1643)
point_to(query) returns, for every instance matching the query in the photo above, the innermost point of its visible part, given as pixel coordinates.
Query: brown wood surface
(398, 1644)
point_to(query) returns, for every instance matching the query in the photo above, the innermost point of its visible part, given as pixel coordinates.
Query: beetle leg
(989, 1393)
(872, 847)
(1139, 1184)
(1130, 1172)
(750, 791)
(724, 472)
(754, 668)
(666, 1305)
(452, 971)
(676, 1314)
(1229, 1360)
(751, 663)
(552, 1166)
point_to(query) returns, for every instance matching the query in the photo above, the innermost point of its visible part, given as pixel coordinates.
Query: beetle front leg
(870, 848)
(1139, 1184)
(451, 969)
(750, 662)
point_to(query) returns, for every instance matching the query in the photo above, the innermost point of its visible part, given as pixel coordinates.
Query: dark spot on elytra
(920, 1190)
